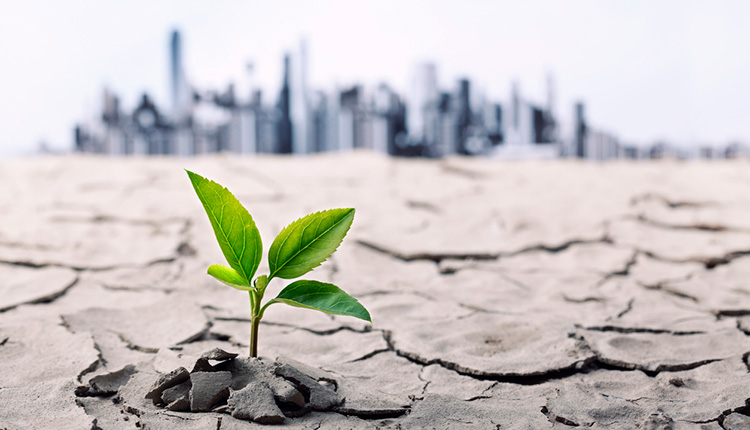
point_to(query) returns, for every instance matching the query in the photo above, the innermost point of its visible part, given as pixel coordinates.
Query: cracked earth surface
(503, 295)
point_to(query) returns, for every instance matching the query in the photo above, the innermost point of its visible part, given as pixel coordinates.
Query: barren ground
(522, 295)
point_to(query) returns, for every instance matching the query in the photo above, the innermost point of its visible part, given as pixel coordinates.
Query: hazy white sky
(646, 69)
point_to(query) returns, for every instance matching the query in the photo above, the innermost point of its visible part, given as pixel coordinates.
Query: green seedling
(300, 247)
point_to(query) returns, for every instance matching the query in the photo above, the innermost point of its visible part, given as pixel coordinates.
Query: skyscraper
(179, 90)
(422, 105)
(181, 99)
(447, 142)
(464, 114)
(495, 125)
(300, 105)
(348, 118)
(552, 129)
(580, 131)
(515, 109)
(284, 125)
(520, 119)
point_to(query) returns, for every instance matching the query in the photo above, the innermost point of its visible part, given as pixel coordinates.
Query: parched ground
(523, 295)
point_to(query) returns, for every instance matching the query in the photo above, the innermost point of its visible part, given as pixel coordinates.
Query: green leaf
(323, 297)
(233, 226)
(228, 276)
(307, 242)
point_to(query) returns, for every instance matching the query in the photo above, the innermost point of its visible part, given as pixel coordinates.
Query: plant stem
(254, 336)
(255, 298)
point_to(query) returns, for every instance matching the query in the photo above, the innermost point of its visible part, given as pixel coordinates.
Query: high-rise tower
(300, 105)
(515, 109)
(464, 116)
(284, 126)
(580, 131)
(422, 105)
(177, 84)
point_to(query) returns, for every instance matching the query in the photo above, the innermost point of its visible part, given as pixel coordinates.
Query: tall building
(553, 133)
(319, 132)
(284, 125)
(333, 115)
(543, 126)
(348, 121)
(114, 137)
(179, 89)
(520, 130)
(448, 139)
(579, 139)
(494, 124)
(422, 105)
(300, 103)
(381, 119)
(153, 131)
(515, 110)
(463, 116)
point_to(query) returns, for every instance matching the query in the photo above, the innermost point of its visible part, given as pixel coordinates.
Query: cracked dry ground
(504, 295)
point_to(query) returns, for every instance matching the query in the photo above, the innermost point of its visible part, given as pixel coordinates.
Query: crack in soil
(746, 360)
(664, 287)
(136, 289)
(672, 204)
(742, 410)
(434, 257)
(134, 347)
(110, 219)
(29, 246)
(713, 228)
(183, 249)
(708, 262)
(91, 367)
(201, 335)
(731, 313)
(610, 328)
(33, 265)
(369, 355)
(480, 256)
(559, 248)
(94, 422)
(425, 206)
(415, 398)
(553, 418)
(583, 300)
(624, 271)
(45, 299)
(580, 366)
(612, 364)
(628, 308)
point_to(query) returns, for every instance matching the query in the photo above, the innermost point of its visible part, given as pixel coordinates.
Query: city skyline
(427, 121)
(647, 71)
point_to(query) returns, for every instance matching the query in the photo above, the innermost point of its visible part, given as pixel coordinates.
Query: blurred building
(284, 125)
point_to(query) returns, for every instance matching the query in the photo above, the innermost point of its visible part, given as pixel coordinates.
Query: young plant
(300, 247)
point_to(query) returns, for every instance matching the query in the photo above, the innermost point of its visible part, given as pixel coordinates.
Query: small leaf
(307, 242)
(228, 276)
(323, 297)
(233, 226)
(260, 284)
